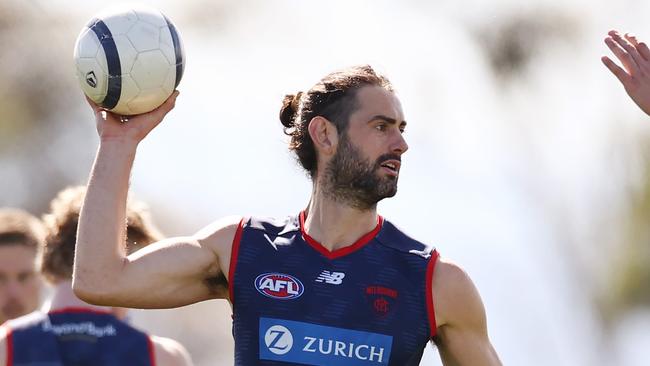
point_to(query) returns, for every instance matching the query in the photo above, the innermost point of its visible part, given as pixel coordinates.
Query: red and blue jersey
(76, 337)
(295, 302)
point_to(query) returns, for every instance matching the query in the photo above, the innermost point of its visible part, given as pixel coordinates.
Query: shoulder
(393, 237)
(273, 225)
(221, 229)
(9, 327)
(169, 352)
(223, 236)
(219, 235)
(456, 299)
(227, 227)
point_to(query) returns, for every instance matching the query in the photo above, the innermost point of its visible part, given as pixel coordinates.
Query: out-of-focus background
(528, 165)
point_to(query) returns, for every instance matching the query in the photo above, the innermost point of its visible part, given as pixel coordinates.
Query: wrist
(119, 146)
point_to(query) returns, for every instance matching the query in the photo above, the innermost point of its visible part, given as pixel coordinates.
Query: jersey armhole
(431, 313)
(233, 261)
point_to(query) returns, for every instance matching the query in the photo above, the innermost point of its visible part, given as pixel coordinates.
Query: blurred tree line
(46, 140)
(511, 46)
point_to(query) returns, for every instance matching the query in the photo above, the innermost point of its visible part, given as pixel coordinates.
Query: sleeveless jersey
(295, 302)
(76, 337)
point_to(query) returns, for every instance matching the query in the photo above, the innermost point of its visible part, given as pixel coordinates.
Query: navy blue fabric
(383, 292)
(178, 51)
(114, 89)
(77, 339)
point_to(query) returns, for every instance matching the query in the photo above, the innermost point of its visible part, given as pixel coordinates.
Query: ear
(324, 135)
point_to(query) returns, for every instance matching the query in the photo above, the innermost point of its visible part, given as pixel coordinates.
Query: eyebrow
(392, 121)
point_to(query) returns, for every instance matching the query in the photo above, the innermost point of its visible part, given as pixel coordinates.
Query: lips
(391, 166)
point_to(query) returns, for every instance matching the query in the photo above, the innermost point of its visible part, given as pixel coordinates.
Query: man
(336, 284)
(21, 234)
(71, 332)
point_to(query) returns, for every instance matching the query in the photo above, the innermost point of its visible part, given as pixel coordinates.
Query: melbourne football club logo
(279, 286)
(382, 300)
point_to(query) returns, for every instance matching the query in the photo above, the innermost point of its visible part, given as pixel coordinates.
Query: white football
(129, 60)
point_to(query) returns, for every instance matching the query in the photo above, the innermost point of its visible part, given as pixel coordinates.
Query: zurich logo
(299, 343)
(279, 286)
(278, 339)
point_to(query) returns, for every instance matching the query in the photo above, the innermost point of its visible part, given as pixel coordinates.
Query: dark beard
(353, 180)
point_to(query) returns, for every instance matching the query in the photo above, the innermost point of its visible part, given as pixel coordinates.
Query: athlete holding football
(335, 284)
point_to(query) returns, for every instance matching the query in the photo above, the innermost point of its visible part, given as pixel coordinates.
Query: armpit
(217, 284)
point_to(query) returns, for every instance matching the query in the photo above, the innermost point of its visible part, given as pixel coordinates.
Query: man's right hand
(111, 126)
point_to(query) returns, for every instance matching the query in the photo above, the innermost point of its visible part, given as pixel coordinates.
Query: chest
(291, 303)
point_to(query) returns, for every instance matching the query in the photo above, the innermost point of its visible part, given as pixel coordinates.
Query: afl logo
(279, 286)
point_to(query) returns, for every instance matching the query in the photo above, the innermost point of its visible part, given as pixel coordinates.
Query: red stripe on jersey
(233, 260)
(152, 354)
(10, 347)
(429, 292)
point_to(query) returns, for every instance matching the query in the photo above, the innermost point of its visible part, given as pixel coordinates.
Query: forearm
(100, 253)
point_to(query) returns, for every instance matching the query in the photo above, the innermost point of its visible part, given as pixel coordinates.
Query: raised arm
(462, 337)
(170, 273)
(634, 74)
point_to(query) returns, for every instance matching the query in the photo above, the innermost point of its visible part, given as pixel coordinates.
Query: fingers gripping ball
(129, 60)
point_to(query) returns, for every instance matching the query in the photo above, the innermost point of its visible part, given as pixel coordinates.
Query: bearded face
(352, 179)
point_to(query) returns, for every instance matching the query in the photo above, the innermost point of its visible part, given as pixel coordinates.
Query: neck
(334, 224)
(63, 297)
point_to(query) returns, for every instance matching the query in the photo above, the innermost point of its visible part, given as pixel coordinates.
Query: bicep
(172, 273)
(465, 347)
(462, 335)
(176, 271)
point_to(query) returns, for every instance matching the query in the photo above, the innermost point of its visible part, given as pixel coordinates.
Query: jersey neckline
(341, 252)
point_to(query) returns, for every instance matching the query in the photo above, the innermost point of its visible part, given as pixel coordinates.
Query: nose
(13, 289)
(399, 145)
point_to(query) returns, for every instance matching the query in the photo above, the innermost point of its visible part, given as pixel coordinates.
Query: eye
(381, 126)
(402, 127)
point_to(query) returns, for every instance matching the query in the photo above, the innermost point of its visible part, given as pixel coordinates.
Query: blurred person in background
(335, 284)
(69, 331)
(21, 236)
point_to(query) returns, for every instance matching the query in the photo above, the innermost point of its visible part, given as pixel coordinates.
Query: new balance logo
(333, 278)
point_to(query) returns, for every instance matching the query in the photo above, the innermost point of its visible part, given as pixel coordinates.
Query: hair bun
(290, 105)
